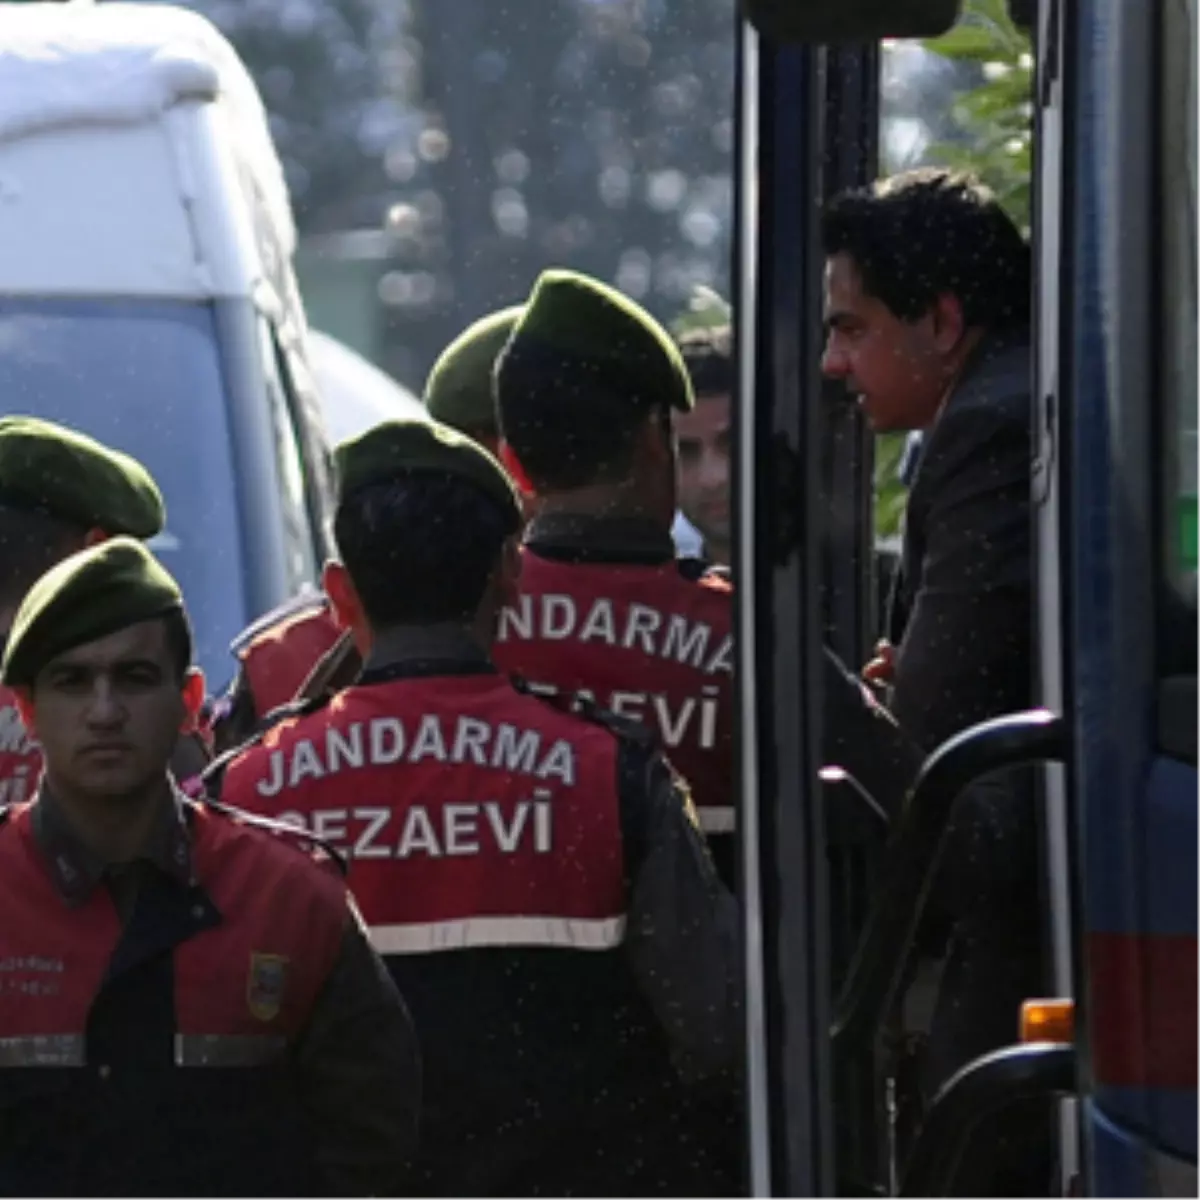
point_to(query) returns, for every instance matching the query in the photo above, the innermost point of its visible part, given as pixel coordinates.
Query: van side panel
(96, 211)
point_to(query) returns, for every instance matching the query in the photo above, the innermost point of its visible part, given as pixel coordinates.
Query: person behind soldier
(587, 389)
(299, 650)
(190, 1005)
(458, 391)
(61, 491)
(705, 438)
(532, 872)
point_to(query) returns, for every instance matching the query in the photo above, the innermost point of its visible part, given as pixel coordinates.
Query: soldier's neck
(117, 829)
(606, 500)
(443, 640)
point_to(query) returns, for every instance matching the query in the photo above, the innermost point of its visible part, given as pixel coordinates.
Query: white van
(356, 394)
(147, 294)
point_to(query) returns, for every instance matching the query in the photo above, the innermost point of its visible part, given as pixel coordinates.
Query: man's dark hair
(924, 233)
(31, 542)
(708, 356)
(568, 428)
(420, 550)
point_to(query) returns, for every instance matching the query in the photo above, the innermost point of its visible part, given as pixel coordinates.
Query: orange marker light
(1048, 1021)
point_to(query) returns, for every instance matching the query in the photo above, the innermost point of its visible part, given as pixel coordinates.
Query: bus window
(1179, 627)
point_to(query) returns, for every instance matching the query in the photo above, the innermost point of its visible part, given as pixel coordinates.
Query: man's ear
(512, 464)
(348, 609)
(949, 322)
(24, 699)
(508, 573)
(94, 537)
(193, 699)
(343, 597)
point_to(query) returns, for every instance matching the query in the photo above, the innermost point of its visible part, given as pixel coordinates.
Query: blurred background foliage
(443, 152)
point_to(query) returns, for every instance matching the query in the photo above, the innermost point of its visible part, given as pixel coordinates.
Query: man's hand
(881, 669)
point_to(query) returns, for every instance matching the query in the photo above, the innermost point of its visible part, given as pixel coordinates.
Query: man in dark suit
(927, 295)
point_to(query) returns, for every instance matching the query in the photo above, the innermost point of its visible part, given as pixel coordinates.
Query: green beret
(394, 450)
(591, 327)
(459, 389)
(86, 596)
(71, 476)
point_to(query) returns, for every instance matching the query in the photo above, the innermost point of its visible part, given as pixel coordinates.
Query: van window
(315, 450)
(145, 377)
(299, 539)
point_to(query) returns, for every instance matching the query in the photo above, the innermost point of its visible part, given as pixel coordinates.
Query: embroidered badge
(265, 986)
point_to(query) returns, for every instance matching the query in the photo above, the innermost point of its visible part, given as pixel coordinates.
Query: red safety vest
(20, 755)
(243, 989)
(474, 815)
(277, 660)
(646, 643)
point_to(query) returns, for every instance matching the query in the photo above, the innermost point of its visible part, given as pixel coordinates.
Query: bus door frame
(781, 827)
(1053, 184)
(807, 125)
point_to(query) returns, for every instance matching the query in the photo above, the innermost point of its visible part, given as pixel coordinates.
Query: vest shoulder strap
(306, 602)
(212, 776)
(302, 840)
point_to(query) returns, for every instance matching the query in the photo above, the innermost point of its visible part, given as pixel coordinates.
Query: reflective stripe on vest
(473, 815)
(566, 933)
(228, 1050)
(191, 1050)
(643, 642)
(42, 1050)
(243, 988)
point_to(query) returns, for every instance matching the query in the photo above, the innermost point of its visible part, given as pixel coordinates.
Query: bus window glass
(1178, 147)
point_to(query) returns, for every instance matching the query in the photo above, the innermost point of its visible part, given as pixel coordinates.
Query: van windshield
(145, 377)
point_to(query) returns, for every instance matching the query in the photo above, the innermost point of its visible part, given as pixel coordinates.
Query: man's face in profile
(703, 436)
(893, 365)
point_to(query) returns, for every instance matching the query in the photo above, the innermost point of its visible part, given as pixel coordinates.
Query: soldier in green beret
(587, 389)
(278, 648)
(59, 492)
(538, 859)
(197, 940)
(458, 391)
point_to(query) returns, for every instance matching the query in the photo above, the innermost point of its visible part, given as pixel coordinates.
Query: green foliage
(992, 125)
(705, 310)
(995, 117)
(890, 494)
